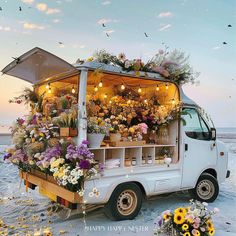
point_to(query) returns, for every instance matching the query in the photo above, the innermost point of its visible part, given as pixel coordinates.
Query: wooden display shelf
(128, 143)
(46, 183)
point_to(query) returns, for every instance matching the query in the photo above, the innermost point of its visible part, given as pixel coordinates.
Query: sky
(197, 27)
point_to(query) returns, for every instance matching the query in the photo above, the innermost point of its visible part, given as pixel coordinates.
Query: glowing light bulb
(105, 95)
(110, 101)
(49, 90)
(73, 90)
(139, 90)
(48, 86)
(173, 101)
(157, 88)
(167, 87)
(95, 88)
(129, 101)
(100, 84)
(145, 101)
(122, 86)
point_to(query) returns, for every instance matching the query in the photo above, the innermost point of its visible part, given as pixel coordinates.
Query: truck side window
(195, 127)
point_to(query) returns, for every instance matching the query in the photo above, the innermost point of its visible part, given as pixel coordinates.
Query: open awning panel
(37, 65)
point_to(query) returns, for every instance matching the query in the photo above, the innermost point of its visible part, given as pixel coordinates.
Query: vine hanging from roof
(173, 65)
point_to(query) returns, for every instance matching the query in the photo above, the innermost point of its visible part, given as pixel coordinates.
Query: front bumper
(227, 174)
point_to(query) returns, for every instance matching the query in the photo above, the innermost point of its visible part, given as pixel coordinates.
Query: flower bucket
(115, 137)
(95, 140)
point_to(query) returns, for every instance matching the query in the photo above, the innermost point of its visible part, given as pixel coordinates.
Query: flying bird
(229, 26)
(224, 43)
(60, 43)
(146, 34)
(107, 35)
(0, 8)
(103, 25)
(20, 9)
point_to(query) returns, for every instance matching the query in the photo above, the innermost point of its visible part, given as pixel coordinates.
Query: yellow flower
(187, 234)
(166, 216)
(41, 134)
(90, 59)
(211, 231)
(179, 218)
(196, 233)
(209, 224)
(181, 210)
(185, 227)
(33, 140)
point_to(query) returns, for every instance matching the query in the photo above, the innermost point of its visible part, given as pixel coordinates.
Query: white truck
(199, 162)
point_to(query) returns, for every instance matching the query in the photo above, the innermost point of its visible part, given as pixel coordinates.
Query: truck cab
(198, 161)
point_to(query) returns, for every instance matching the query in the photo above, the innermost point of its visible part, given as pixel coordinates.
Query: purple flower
(7, 156)
(85, 142)
(52, 152)
(19, 156)
(101, 167)
(84, 164)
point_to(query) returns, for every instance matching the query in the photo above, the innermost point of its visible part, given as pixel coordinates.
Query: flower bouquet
(194, 220)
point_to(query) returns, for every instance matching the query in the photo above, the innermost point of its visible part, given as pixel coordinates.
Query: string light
(122, 86)
(73, 90)
(145, 101)
(95, 88)
(49, 90)
(139, 90)
(48, 86)
(100, 84)
(173, 101)
(167, 87)
(110, 101)
(129, 101)
(157, 88)
(105, 95)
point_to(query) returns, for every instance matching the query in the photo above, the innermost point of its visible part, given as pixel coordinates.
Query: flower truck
(110, 131)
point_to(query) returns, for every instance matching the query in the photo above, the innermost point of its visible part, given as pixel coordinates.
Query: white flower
(81, 193)
(205, 204)
(91, 194)
(61, 141)
(64, 182)
(65, 177)
(74, 181)
(127, 64)
(112, 117)
(94, 190)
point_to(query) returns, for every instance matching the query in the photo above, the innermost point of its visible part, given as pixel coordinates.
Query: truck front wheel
(125, 202)
(206, 189)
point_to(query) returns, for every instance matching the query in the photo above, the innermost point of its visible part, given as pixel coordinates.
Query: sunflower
(211, 231)
(166, 216)
(185, 227)
(181, 210)
(179, 218)
(209, 224)
(187, 234)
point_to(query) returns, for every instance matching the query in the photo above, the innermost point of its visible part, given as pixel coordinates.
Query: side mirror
(213, 134)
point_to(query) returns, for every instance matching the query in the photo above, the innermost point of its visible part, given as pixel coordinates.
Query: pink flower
(143, 127)
(197, 220)
(196, 226)
(216, 210)
(202, 229)
(194, 231)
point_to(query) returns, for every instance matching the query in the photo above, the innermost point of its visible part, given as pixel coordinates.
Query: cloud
(78, 46)
(165, 27)
(103, 21)
(55, 21)
(52, 11)
(109, 31)
(41, 6)
(216, 48)
(5, 28)
(106, 2)
(44, 8)
(165, 14)
(27, 1)
(32, 26)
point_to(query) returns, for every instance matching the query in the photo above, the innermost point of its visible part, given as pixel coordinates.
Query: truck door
(199, 151)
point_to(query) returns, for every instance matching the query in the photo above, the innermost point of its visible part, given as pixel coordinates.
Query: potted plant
(114, 128)
(67, 122)
(96, 131)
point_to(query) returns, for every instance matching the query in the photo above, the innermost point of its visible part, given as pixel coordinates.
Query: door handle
(186, 147)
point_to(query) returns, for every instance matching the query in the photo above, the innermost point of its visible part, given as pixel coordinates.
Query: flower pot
(95, 140)
(115, 137)
(68, 132)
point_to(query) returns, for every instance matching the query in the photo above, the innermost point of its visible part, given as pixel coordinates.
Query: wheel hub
(205, 189)
(127, 202)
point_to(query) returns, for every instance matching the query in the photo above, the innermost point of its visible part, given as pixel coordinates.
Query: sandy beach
(29, 211)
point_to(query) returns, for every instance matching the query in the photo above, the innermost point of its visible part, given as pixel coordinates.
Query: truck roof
(38, 66)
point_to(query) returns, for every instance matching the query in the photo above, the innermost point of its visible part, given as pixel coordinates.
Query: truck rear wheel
(125, 202)
(206, 189)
